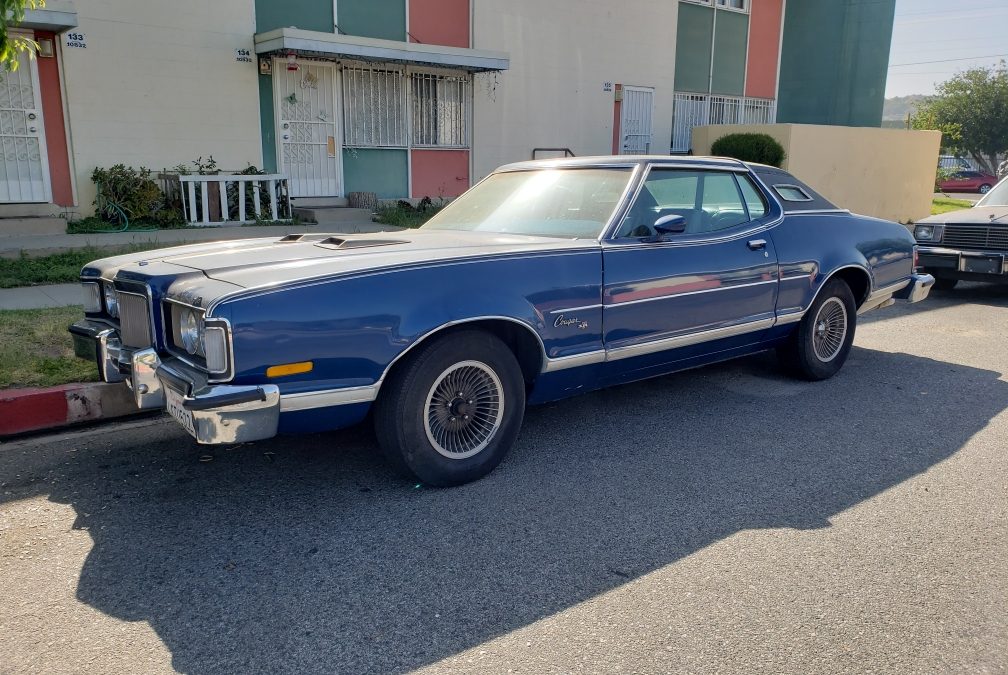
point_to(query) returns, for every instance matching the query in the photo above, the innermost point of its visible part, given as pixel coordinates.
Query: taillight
(915, 259)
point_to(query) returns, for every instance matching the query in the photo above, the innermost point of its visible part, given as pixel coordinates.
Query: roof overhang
(334, 46)
(57, 16)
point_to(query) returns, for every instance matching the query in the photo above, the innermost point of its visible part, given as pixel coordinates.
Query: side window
(753, 198)
(708, 200)
(722, 203)
(665, 192)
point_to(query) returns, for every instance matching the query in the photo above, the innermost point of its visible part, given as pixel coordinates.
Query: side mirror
(670, 224)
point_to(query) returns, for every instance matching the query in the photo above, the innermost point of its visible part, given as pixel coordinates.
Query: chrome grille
(976, 236)
(134, 320)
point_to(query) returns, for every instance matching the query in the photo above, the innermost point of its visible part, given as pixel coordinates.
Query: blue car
(545, 280)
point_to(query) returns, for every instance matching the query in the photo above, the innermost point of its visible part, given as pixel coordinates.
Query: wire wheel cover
(464, 409)
(829, 330)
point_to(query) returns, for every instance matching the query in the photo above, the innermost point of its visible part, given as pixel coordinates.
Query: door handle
(756, 244)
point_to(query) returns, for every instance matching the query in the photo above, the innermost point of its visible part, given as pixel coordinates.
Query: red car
(969, 181)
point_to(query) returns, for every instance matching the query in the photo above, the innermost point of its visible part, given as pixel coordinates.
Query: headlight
(92, 296)
(111, 300)
(924, 232)
(190, 329)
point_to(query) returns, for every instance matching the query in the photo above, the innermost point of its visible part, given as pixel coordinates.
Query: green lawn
(60, 268)
(944, 205)
(36, 350)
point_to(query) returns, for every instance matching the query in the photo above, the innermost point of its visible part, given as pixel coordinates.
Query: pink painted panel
(55, 130)
(764, 48)
(439, 22)
(439, 173)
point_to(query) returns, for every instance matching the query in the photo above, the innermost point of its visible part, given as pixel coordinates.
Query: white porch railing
(205, 199)
(694, 110)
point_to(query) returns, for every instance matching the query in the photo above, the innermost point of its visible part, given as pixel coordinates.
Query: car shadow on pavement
(306, 554)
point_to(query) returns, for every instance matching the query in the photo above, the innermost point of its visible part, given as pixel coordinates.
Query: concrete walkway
(35, 297)
(48, 244)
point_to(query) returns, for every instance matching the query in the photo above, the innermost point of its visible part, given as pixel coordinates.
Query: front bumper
(211, 413)
(963, 264)
(98, 342)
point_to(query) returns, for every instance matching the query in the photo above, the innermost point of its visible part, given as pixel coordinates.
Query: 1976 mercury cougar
(545, 280)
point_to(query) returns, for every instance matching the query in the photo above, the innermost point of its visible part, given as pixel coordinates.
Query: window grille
(374, 108)
(440, 110)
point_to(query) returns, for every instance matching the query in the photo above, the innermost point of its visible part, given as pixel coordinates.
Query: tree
(11, 14)
(971, 111)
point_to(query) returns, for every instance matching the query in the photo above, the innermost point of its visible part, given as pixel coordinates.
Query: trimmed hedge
(759, 148)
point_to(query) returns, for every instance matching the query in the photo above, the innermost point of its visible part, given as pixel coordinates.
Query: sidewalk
(36, 297)
(48, 244)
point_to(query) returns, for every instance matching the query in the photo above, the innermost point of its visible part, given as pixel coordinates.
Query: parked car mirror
(670, 224)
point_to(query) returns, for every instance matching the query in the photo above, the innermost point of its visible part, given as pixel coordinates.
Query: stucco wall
(886, 173)
(561, 54)
(158, 85)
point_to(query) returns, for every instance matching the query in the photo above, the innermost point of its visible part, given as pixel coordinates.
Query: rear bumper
(918, 288)
(962, 264)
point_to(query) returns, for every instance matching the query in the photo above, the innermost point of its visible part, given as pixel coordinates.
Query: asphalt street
(726, 519)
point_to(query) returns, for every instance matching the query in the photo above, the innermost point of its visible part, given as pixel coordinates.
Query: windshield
(998, 196)
(569, 203)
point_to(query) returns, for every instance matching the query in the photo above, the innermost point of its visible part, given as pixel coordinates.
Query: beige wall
(886, 173)
(158, 85)
(562, 51)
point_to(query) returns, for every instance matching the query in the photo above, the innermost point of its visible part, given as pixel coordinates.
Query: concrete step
(18, 227)
(326, 215)
(309, 202)
(30, 210)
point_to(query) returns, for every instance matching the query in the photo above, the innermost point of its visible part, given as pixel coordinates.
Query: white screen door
(635, 120)
(24, 165)
(307, 118)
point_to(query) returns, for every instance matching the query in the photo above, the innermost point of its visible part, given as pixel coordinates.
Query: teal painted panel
(693, 48)
(267, 124)
(385, 19)
(731, 36)
(304, 14)
(384, 172)
(834, 62)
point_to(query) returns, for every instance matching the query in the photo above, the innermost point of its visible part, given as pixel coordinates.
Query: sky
(938, 38)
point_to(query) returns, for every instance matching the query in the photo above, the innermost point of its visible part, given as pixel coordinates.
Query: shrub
(759, 148)
(126, 192)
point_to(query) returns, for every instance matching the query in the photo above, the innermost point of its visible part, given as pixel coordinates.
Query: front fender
(354, 328)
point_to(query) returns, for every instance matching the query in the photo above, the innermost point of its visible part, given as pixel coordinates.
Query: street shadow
(965, 293)
(306, 554)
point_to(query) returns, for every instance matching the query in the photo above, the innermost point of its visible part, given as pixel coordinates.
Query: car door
(668, 297)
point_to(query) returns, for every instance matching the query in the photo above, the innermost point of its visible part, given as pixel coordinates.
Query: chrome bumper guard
(918, 288)
(99, 343)
(219, 413)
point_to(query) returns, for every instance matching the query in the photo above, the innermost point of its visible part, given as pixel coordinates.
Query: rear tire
(820, 345)
(985, 188)
(453, 410)
(945, 283)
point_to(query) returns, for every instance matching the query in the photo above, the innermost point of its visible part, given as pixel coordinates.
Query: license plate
(982, 265)
(173, 402)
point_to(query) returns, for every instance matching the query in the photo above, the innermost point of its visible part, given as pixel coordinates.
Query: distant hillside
(899, 107)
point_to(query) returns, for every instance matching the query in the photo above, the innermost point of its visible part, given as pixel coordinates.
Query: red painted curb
(24, 410)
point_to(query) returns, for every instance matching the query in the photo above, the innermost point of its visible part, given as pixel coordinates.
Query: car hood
(978, 215)
(274, 261)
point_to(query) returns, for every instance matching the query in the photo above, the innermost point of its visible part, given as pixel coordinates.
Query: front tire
(822, 342)
(985, 188)
(452, 412)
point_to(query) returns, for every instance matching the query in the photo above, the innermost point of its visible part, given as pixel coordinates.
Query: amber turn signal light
(289, 369)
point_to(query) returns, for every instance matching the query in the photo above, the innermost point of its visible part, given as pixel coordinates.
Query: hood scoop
(336, 242)
(339, 243)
